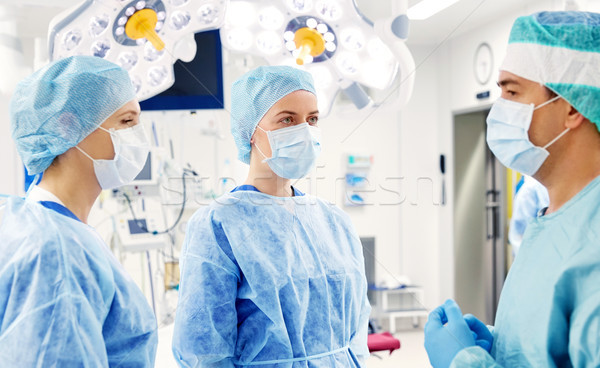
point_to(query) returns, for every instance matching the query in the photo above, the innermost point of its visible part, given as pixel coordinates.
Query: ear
(574, 119)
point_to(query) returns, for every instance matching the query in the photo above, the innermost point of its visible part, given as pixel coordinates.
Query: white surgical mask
(508, 136)
(294, 150)
(131, 151)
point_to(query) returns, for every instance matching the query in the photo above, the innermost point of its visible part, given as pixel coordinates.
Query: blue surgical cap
(560, 50)
(255, 93)
(59, 105)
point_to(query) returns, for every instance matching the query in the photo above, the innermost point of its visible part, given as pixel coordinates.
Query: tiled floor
(411, 354)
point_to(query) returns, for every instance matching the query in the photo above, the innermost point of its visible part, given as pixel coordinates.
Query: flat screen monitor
(199, 83)
(137, 226)
(146, 173)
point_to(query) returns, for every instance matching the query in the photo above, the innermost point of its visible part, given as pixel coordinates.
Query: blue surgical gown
(271, 282)
(549, 310)
(65, 301)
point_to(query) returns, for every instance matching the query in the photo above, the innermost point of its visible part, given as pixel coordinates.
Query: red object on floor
(382, 341)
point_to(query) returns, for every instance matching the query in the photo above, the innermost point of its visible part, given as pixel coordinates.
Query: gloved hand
(483, 336)
(446, 333)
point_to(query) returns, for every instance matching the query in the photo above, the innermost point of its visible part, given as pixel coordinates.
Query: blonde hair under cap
(560, 50)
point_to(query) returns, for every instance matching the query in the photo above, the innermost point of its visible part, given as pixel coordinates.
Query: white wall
(14, 67)
(445, 85)
(420, 166)
(375, 132)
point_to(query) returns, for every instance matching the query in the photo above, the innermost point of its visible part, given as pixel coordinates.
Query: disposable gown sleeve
(474, 356)
(359, 343)
(579, 287)
(205, 331)
(48, 318)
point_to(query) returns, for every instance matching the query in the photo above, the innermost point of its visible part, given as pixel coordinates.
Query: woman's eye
(287, 120)
(313, 120)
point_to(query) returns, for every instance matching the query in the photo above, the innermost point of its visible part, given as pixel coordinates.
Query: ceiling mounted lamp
(145, 37)
(329, 38)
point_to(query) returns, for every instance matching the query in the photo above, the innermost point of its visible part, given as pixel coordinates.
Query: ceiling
(35, 15)
(463, 16)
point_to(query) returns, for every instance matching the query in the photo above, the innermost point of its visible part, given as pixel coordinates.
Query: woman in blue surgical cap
(65, 300)
(270, 276)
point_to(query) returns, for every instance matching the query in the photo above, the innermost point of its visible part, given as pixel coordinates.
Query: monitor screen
(199, 83)
(137, 226)
(146, 173)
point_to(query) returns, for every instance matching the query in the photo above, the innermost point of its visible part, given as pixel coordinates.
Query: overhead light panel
(426, 8)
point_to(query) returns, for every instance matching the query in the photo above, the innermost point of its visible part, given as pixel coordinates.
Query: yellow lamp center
(309, 42)
(141, 25)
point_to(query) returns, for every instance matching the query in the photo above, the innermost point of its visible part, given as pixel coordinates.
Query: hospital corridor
(299, 183)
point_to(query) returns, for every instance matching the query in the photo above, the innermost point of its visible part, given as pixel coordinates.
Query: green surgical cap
(254, 93)
(59, 105)
(560, 50)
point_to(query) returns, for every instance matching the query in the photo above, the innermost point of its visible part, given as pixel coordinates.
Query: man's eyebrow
(507, 81)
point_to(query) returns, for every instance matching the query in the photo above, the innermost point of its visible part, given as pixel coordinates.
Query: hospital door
(479, 213)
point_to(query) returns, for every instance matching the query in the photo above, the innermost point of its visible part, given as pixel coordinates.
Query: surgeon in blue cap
(65, 301)
(546, 124)
(271, 276)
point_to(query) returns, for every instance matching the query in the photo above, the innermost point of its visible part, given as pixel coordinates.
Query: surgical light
(239, 39)
(268, 42)
(348, 63)
(329, 10)
(127, 60)
(100, 48)
(323, 37)
(270, 18)
(157, 75)
(138, 35)
(72, 39)
(300, 6)
(180, 20)
(137, 83)
(151, 53)
(98, 25)
(208, 14)
(243, 14)
(352, 39)
(427, 8)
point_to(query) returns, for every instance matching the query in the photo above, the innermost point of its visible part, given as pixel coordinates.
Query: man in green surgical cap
(546, 124)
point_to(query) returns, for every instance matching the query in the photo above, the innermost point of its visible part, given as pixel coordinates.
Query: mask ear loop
(563, 132)
(557, 138)
(259, 150)
(106, 130)
(82, 151)
(547, 102)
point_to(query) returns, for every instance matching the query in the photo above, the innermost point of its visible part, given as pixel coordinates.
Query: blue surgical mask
(294, 150)
(507, 136)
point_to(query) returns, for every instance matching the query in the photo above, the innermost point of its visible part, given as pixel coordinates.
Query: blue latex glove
(446, 333)
(483, 336)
